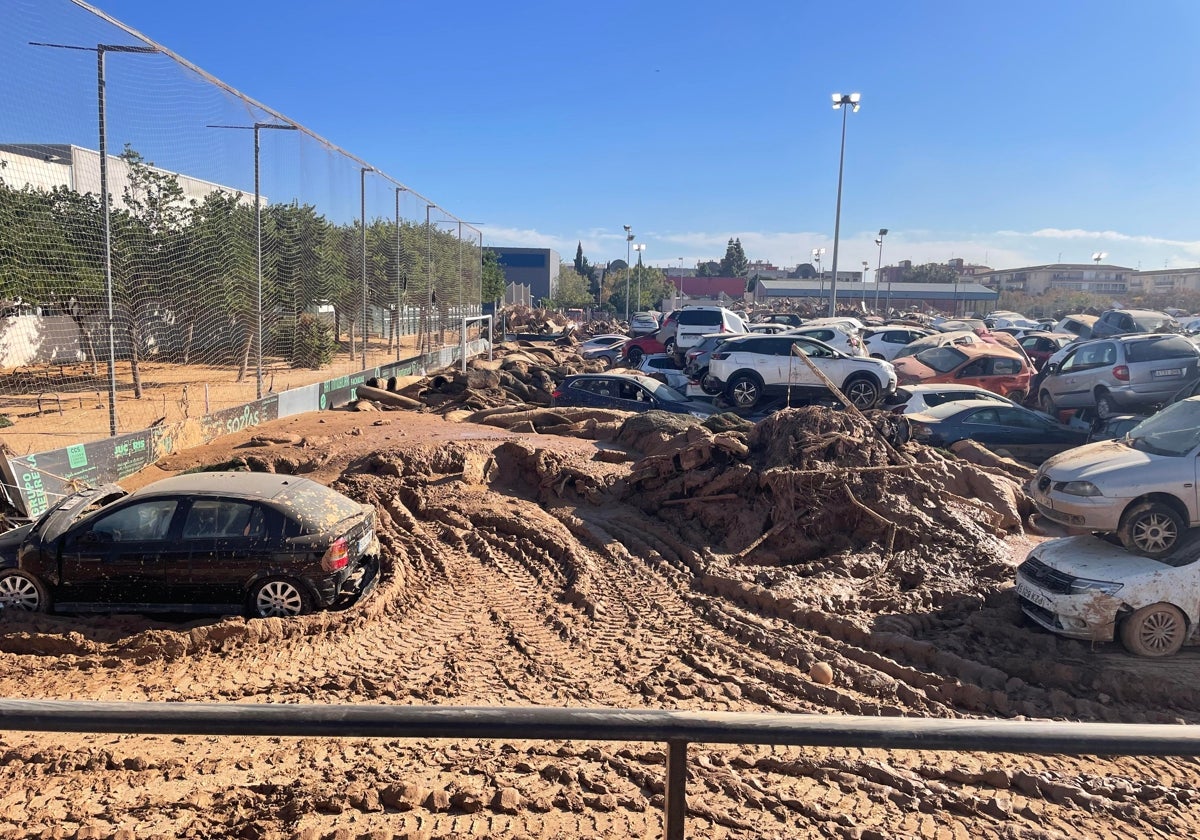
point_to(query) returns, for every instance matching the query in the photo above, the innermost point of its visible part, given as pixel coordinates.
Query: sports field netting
(190, 297)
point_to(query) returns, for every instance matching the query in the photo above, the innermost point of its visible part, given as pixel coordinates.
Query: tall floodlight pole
(840, 102)
(816, 253)
(628, 268)
(640, 248)
(102, 124)
(879, 265)
(362, 195)
(681, 282)
(866, 268)
(258, 239)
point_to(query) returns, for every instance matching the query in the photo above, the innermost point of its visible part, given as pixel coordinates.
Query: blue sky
(1008, 133)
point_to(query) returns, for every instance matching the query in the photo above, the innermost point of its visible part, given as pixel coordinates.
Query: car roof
(927, 388)
(254, 484)
(1081, 318)
(987, 349)
(953, 407)
(631, 377)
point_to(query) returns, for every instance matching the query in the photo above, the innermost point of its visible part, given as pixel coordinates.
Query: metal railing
(676, 729)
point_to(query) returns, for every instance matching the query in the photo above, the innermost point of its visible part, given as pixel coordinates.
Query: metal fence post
(675, 807)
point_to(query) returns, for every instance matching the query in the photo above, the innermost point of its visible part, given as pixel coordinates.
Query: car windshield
(1150, 323)
(941, 359)
(1166, 347)
(1174, 431)
(664, 392)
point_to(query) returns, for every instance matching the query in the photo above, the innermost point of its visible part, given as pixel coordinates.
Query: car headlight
(1078, 488)
(1080, 586)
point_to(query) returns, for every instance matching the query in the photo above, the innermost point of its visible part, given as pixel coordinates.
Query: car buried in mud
(221, 542)
(627, 392)
(1088, 588)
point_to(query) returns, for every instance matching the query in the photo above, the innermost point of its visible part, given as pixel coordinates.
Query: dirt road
(520, 570)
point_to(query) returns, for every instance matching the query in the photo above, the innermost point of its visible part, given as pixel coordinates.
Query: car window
(148, 520)
(599, 387)
(941, 359)
(1167, 347)
(1016, 419)
(975, 368)
(809, 348)
(1005, 367)
(223, 518)
(699, 317)
(631, 391)
(1173, 431)
(983, 417)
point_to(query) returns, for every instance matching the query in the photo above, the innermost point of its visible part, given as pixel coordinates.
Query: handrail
(677, 729)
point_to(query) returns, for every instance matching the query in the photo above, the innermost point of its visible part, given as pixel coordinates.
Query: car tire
(1106, 406)
(20, 590)
(1151, 529)
(607, 362)
(1018, 396)
(709, 384)
(279, 597)
(862, 390)
(1156, 630)
(634, 356)
(669, 344)
(744, 390)
(1047, 404)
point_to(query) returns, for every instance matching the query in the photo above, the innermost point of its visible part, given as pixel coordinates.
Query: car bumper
(1095, 513)
(1141, 396)
(1090, 616)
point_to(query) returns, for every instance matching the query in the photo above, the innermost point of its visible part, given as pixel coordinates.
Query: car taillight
(337, 557)
(718, 357)
(1121, 372)
(556, 393)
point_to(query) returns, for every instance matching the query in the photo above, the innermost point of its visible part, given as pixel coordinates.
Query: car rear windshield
(699, 317)
(317, 507)
(1150, 323)
(1167, 347)
(941, 359)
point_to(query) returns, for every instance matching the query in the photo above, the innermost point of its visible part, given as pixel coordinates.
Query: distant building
(709, 288)
(1067, 277)
(44, 166)
(1164, 281)
(536, 268)
(945, 297)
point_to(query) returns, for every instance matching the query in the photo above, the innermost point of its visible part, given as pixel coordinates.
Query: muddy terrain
(814, 563)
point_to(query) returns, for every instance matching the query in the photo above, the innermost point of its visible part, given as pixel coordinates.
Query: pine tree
(735, 264)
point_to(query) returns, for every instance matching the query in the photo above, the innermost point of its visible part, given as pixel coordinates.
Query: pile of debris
(825, 493)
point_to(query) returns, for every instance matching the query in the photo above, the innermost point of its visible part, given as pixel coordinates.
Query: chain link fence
(238, 254)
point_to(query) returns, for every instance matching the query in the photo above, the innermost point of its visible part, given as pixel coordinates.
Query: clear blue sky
(1007, 133)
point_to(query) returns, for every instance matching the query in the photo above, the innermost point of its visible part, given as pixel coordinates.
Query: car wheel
(669, 344)
(1018, 396)
(709, 384)
(1047, 404)
(862, 391)
(634, 356)
(21, 591)
(1106, 407)
(1156, 630)
(280, 597)
(744, 391)
(1151, 529)
(607, 361)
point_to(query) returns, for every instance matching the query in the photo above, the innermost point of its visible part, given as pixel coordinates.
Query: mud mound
(823, 494)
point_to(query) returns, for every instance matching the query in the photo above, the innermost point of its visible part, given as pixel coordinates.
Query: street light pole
(681, 282)
(840, 102)
(866, 268)
(879, 265)
(817, 252)
(628, 268)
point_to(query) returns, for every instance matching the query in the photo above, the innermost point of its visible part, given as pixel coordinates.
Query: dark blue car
(627, 392)
(1023, 434)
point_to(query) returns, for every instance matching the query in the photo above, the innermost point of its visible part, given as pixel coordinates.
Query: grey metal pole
(258, 391)
(399, 293)
(108, 278)
(429, 276)
(878, 266)
(628, 274)
(362, 194)
(837, 220)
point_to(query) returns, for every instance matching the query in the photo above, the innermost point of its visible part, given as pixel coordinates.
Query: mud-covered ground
(531, 569)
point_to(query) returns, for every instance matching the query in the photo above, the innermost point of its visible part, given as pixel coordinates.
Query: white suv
(693, 322)
(755, 366)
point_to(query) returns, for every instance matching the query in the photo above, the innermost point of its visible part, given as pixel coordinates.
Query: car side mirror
(1051, 368)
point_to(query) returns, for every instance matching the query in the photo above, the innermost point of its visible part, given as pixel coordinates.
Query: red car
(1041, 346)
(648, 345)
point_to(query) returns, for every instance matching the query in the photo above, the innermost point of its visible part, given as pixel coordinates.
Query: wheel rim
(1047, 404)
(745, 392)
(1154, 532)
(278, 598)
(1159, 630)
(861, 393)
(635, 357)
(18, 593)
(1104, 409)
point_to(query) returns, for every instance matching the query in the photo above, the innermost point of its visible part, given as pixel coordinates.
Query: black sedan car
(1025, 435)
(225, 542)
(628, 392)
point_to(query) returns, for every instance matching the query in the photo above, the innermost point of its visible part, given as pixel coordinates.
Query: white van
(694, 322)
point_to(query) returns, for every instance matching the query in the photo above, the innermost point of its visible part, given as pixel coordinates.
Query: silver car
(1143, 486)
(1119, 374)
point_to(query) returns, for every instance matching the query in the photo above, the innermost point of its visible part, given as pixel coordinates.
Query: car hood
(60, 517)
(10, 541)
(1091, 557)
(909, 368)
(1097, 461)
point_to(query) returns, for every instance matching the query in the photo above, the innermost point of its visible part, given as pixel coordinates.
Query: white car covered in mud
(1088, 588)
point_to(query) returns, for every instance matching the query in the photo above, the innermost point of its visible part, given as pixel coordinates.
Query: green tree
(650, 288)
(493, 276)
(586, 270)
(734, 263)
(931, 273)
(708, 268)
(571, 290)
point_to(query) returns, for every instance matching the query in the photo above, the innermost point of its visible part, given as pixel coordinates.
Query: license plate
(364, 542)
(1169, 372)
(1030, 594)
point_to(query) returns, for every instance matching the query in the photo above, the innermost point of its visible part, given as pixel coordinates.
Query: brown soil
(538, 569)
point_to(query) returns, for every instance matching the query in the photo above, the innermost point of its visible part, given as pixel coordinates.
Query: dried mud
(562, 569)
